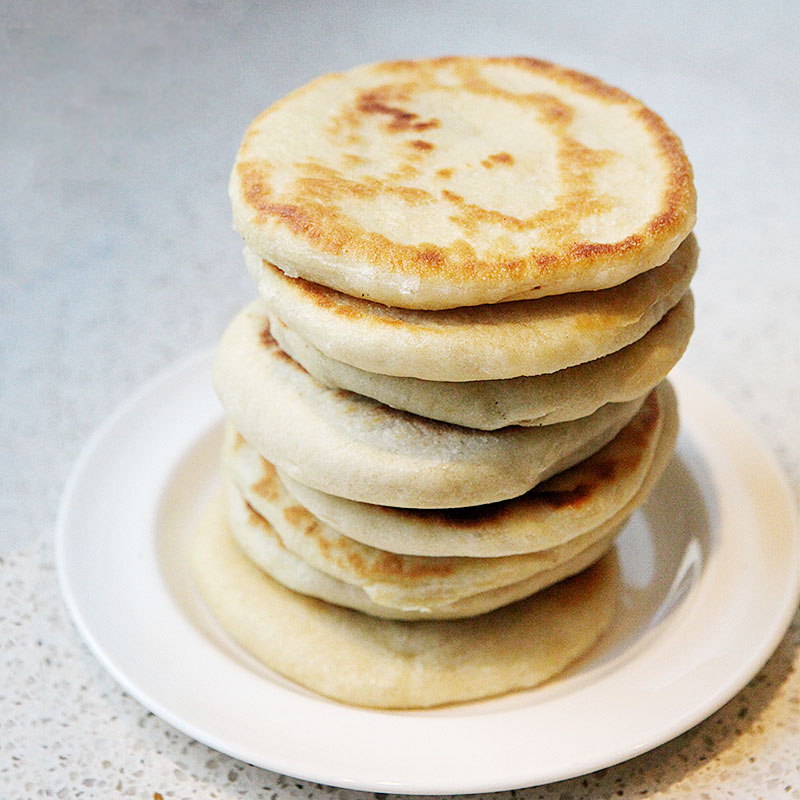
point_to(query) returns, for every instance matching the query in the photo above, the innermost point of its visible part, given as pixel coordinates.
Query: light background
(118, 126)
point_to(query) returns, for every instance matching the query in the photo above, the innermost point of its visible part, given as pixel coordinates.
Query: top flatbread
(461, 181)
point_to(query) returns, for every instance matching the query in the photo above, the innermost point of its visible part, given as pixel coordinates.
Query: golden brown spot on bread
(297, 516)
(590, 249)
(679, 191)
(354, 560)
(267, 341)
(298, 219)
(432, 255)
(421, 144)
(353, 159)
(452, 196)
(373, 103)
(266, 338)
(318, 183)
(293, 515)
(378, 101)
(444, 173)
(330, 299)
(376, 564)
(569, 77)
(497, 158)
(254, 176)
(257, 520)
(553, 110)
(238, 440)
(561, 499)
(267, 485)
(398, 65)
(393, 565)
(340, 303)
(339, 551)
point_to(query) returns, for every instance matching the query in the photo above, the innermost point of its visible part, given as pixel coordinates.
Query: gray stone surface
(119, 125)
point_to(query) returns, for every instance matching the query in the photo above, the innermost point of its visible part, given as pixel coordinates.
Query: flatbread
(487, 342)
(488, 405)
(461, 181)
(261, 543)
(406, 583)
(363, 660)
(353, 447)
(566, 506)
(303, 553)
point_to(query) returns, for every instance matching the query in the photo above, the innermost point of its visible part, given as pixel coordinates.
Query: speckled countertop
(120, 121)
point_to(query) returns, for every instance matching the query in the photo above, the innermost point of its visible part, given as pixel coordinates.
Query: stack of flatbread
(449, 397)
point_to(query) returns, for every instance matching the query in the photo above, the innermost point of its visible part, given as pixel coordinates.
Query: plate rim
(685, 384)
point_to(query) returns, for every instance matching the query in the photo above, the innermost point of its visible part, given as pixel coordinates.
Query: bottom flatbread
(363, 660)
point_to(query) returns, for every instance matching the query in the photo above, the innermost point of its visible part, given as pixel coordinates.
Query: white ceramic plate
(709, 585)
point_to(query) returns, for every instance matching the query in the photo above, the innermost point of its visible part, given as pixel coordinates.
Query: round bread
(365, 660)
(565, 506)
(262, 544)
(304, 554)
(488, 405)
(351, 446)
(461, 181)
(488, 342)
(406, 583)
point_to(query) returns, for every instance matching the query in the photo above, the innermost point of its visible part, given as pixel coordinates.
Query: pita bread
(565, 506)
(461, 181)
(488, 405)
(406, 583)
(365, 660)
(451, 599)
(487, 342)
(304, 554)
(353, 447)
